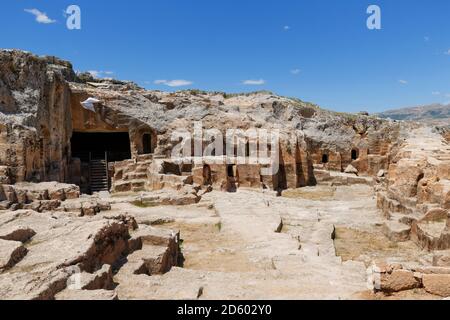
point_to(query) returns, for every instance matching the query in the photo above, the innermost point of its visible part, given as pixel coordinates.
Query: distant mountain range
(434, 114)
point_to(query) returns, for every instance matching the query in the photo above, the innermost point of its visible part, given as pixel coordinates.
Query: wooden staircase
(99, 175)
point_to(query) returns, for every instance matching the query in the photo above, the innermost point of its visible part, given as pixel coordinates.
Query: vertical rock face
(35, 123)
(40, 109)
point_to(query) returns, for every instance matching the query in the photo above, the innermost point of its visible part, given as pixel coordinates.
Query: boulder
(49, 205)
(438, 284)
(399, 280)
(150, 260)
(381, 173)
(101, 279)
(5, 205)
(351, 169)
(154, 236)
(396, 231)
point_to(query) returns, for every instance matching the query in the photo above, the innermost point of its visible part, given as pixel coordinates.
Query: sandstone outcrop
(65, 248)
(63, 235)
(308, 134)
(35, 122)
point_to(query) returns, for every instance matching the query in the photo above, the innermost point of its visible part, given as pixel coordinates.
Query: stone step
(151, 260)
(396, 231)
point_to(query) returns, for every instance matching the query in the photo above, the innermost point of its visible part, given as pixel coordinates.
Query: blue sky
(319, 51)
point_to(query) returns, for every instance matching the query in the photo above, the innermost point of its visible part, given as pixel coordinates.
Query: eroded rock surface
(65, 248)
(358, 208)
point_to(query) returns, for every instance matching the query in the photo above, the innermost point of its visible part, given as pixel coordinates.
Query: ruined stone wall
(131, 175)
(416, 198)
(366, 145)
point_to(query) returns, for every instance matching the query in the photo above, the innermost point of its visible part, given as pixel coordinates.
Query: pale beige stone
(438, 284)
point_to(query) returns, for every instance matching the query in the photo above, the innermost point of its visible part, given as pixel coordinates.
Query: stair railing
(107, 171)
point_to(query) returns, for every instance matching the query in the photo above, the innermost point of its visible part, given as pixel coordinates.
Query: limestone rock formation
(85, 194)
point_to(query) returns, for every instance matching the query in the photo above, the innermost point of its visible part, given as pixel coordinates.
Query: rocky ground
(311, 243)
(317, 242)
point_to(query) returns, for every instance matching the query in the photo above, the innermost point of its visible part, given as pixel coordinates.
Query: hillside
(434, 114)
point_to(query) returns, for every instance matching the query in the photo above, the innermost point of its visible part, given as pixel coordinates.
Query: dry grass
(144, 204)
(316, 193)
(207, 248)
(367, 247)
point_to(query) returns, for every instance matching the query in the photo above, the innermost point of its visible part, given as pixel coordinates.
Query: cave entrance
(230, 171)
(96, 151)
(207, 175)
(95, 146)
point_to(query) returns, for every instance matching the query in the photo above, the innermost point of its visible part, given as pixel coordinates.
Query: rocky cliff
(40, 108)
(35, 121)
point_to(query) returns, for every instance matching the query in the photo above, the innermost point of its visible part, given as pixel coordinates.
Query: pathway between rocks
(255, 245)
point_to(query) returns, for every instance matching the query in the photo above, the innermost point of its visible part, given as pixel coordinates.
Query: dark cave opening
(86, 146)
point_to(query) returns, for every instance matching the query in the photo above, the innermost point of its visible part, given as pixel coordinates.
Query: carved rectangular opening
(116, 144)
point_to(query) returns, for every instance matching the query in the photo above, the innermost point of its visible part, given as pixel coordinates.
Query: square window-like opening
(230, 171)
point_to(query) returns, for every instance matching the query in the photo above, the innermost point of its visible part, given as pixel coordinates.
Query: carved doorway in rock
(207, 178)
(147, 146)
(95, 144)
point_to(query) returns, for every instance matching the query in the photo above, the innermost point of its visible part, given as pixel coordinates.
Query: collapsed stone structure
(53, 150)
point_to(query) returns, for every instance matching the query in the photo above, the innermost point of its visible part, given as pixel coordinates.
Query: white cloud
(436, 93)
(174, 83)
(403, 81)
(295, 71)
(254, 82)
(100, 74)
(447, 52)
(426, 38)
(41, 17)
(286, 28)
